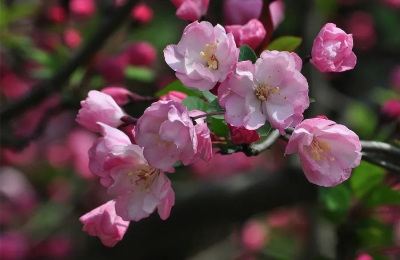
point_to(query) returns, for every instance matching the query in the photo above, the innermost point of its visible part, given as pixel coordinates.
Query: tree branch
(46, 88)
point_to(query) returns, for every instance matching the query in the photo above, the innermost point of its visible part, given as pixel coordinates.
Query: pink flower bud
(104, 223)
(191, 10)
(241, 135)
(82, 8)
(142, 13)
(56, 14)
(12, 86)
(141, 54)
(391, 109)
(364, 256)
(13, 246)
(241, 11)
(361, 25)
(112, 69)
(332, 50)
(322, 117)
(175, 96)
(72, 38)
(251, 33)
(254, 236)
(328, 151)
(122, 96)
(167, 135)
(99, 107)
(277, 10)
(199, 60)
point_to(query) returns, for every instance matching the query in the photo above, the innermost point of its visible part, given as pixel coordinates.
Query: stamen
(264, 90)
(209, 56)
(319, 151)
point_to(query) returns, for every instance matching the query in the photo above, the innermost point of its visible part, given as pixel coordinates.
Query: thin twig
(380, 147)
(371, 158)
(209, 114)
(46, 88)
(254, 149)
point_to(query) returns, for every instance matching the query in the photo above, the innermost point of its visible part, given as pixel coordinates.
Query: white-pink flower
(272, 89)
(328, 151)
(99, 107)
(204, 56)
(252, 33)
(167, 135)
(113, 140)
(140, 188)
(191, 10)
(332, 50)
(104, 223)
(204, 151)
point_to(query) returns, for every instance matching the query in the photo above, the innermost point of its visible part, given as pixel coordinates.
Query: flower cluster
(133, 157)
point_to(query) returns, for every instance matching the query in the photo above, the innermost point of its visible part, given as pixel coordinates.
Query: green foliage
(195, 103)
(247, 53)
(213, 105)
(382, 195)
(218, 126)
(265, 129)
(285, 43)
(311, 100)
(139, 73)
(335, 201)
(373, 234)
(178, 86)
(16, 12)
(365, 178)
(361, 119)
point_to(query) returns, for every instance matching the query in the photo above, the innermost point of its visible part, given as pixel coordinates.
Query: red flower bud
(241, 135)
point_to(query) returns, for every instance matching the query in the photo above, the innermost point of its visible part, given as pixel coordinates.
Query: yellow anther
(263, 91)
(209, 56)
(319, 151)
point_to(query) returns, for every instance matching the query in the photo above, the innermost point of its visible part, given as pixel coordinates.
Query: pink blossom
(241, 135)
(277, 10)
(254, 236)
(141, 54)
(23, 157)
(82, 8)
(361, 25)
(56, 14)
(142, 13)
(141, 189)
(364, 256)
(204, 150)
(328, 151)
(12, 86)
(392, 3)
(113, 140)
(72, 38)
(241, 11)
(191, 10)
(99, 107)
(204, 56)
(167, 134)
(252, 33)
(112, 68)
(121, 95)
(175, 96)
(332, 50)
(104, 223)
(391, 109)
(272, 89)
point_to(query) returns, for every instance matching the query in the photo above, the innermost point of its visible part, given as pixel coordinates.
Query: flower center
(319, 151)
(264, 90)
(162, 142)
(209, 56)
(144, 177)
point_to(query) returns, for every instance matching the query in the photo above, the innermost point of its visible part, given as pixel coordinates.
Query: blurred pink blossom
(361, 25)
(112, 68)
(23, 157)
(175, 96)
(13, 246)
(72, 38)
(252, 33)
(328, 151)
(395, 78)
(191, 10)
(254, 236)
(391, 109)
(12, 86)
(56, 14)
(277, 9)
(204, 56)
(82, 8)
(364, 256)
(239, 12)
(142, 13)
(141, 54)
(392, 3)
(104, 223)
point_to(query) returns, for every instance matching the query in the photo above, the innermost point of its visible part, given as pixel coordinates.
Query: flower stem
(306, 59)
(209, 114)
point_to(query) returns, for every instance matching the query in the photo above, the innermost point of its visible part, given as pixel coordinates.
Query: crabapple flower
(99, 107)
(113, 140)
(252, 33)
(241, 135)
(121, 95)
(142, 13)
(272, 89)
(328, 151)
(72, 38)
(241, 11)
(167, 135)
(104, 223)
(175, 96)
(204, 56)
(141, 54)
(140, 188)
(332, 50)
(204, 150)
(191, 10)
(277, 10)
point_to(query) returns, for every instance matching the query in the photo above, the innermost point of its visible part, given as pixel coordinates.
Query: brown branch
(46, 88)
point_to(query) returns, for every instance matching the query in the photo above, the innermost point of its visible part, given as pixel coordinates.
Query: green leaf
(265, 129)
(382, 195)
(218, 127)
(285, 43)
(311, 100)
(209, 96)
(139, 73)
(335, 201)
(365, 178)
(247, 53)
(178, 86)
(195, 103)
(373, 234)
